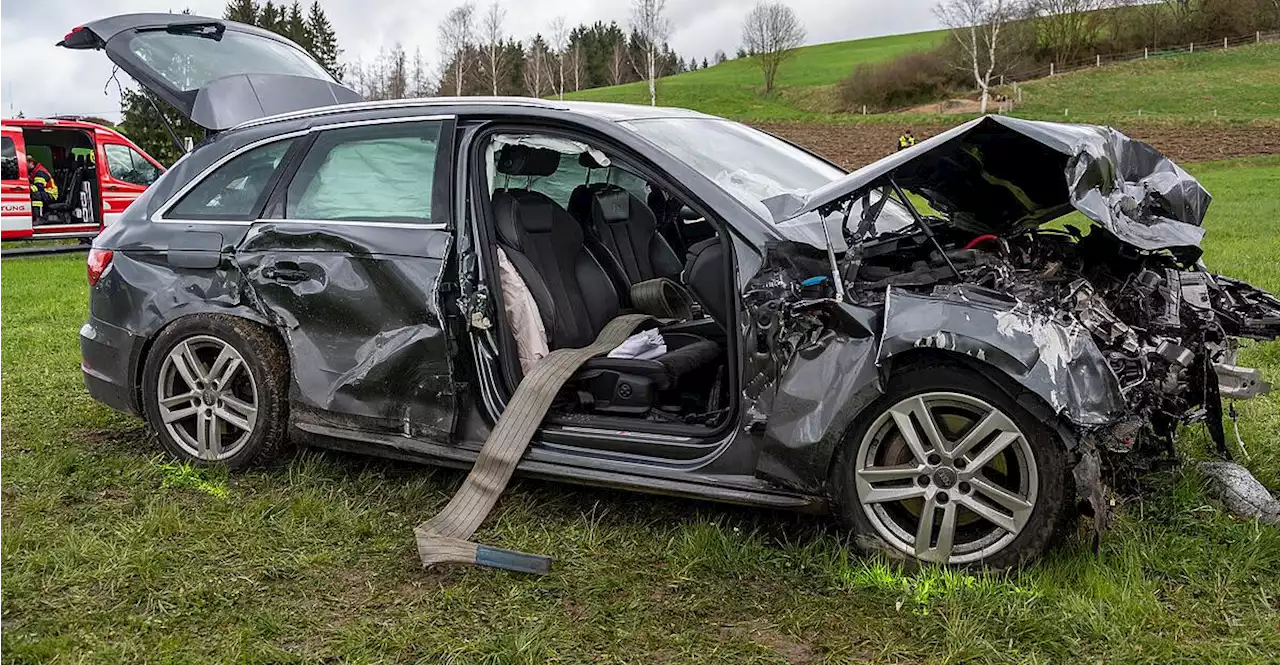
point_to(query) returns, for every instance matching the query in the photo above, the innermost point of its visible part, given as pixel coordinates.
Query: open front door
(217, 73)
(16, 212)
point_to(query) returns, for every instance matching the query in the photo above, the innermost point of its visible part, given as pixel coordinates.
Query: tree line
(991, 39)
(477, 55)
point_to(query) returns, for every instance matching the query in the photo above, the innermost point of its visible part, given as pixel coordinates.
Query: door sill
(550, 465)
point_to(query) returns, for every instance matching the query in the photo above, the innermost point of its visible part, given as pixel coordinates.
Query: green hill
(1239, 84)
(732, 88)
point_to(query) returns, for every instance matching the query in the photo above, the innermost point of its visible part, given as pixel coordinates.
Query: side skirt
(738, 490)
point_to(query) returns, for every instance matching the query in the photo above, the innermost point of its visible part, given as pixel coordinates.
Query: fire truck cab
(97, 170)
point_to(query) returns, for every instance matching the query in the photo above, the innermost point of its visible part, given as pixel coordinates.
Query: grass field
(733, 88)
(1239, 84)
(113, 555)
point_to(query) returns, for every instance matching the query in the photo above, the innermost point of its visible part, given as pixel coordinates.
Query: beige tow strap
(445, 538)
(663, 298)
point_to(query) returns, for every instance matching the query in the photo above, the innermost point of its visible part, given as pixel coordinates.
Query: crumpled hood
(996, 174)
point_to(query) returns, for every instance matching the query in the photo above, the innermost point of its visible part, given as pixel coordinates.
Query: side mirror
(688, 215)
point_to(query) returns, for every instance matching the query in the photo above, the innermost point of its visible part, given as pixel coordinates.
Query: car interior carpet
(446, 537)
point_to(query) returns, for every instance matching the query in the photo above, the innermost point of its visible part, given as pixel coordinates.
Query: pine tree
(140, 122)
(271, 18)
(324, 43)
(244, 11)
(295, 27)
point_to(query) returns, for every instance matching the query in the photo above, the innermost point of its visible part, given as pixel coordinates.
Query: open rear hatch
(217, 73)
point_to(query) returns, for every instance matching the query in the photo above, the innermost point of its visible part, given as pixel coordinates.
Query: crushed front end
(964, 244)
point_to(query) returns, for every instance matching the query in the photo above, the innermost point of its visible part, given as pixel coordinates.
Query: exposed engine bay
(1166, 327)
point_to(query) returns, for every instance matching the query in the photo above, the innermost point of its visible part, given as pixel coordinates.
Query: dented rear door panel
(359, 307)
(349, 261)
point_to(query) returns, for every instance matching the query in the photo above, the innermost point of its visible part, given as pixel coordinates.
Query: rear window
(189, 60)
(233, 191)
(369, 173)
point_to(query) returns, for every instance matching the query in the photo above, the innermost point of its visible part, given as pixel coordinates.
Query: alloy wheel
(208, 398)
(946, 477)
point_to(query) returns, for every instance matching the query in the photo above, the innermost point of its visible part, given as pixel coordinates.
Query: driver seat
(575, 296)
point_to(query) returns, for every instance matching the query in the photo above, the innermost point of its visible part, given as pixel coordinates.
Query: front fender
(1056, 360)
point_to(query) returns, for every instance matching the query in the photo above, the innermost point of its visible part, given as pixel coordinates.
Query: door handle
(114, 187)
(287, 272)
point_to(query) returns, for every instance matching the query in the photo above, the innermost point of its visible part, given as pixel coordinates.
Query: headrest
(587, 161)
(519, 211)
(615, 204)
(522, 160)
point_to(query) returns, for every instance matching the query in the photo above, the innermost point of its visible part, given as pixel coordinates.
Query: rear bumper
(108, 358)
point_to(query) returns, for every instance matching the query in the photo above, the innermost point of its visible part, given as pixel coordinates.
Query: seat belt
(445, 538)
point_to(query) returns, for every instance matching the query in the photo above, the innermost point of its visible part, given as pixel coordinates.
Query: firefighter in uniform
(906, 140)
(44, 189)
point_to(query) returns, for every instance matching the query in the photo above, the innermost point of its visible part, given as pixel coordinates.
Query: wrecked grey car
(922, 347)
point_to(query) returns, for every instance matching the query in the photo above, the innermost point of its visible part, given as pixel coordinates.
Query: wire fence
(1053, 69)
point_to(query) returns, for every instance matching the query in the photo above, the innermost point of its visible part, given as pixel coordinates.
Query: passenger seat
(574, 295)
(626, 228)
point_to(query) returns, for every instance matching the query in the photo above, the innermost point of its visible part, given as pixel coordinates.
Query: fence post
(1051, 69)
(1192, 48)
(1002, 79)
(1224, 42)
(1145, 52)
(1098, 62)
(864, 109)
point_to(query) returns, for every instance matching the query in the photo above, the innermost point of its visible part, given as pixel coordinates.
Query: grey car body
(379, 319)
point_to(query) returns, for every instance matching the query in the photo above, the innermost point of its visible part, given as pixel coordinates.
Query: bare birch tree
(976, 26)
(455, 42)
(537, 68)
(771, 31)
(617, 61)
(494, 50)
(559, 44)
(649, 22)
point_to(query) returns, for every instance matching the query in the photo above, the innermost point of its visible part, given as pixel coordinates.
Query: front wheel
(949, 469)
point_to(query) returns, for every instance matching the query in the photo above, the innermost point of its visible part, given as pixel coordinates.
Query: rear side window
(235, 189)
(126, 165)
(10, 159)
(380, 173)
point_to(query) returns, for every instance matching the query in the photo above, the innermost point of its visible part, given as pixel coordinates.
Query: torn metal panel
(998, 174)
(1055, 359)
(359, 310)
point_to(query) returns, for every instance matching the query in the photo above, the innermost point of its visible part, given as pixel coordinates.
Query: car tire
(215, 390)
(1002, 494)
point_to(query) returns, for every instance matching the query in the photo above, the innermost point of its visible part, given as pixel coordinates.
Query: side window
(126, 165)
(233, 191)
(367, 173)
(10, 159)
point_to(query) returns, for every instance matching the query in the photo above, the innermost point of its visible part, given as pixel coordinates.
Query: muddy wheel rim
(208, 399)
(946, 477)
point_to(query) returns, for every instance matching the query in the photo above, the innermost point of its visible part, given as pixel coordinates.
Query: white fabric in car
(522, 314)
(644, 345)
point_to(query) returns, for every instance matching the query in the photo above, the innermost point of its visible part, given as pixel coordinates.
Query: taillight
(99, 260)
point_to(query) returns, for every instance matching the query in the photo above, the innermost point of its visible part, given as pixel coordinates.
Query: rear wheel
(215, 391)
(949, 469)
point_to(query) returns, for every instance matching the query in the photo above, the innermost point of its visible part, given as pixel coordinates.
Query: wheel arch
(183, 313)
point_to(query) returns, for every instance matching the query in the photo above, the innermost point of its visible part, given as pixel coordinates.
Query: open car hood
(217, 73)
(996, 174)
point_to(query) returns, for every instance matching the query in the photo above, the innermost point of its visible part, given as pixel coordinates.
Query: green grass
(112, 554)
(734, 87)
(1239, 84)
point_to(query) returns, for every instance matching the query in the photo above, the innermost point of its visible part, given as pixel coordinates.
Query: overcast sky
(40, 79)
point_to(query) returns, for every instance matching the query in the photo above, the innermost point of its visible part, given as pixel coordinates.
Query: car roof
(60, 123)
(604, 110)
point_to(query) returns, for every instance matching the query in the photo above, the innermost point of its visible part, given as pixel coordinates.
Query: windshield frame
(701, 158)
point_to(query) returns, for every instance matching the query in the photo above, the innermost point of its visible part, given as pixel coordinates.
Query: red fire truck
(98, 172)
